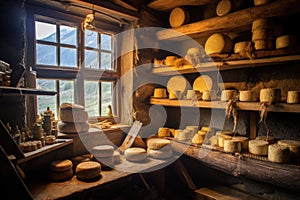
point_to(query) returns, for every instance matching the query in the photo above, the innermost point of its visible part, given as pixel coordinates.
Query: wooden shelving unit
(23, 91)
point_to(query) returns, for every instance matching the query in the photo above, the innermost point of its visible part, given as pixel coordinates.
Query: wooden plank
(23, 91)
(232, 21)
(168, 5)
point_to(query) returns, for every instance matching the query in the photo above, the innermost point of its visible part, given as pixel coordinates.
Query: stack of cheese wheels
(243, 140)
(262, 34)
(159, 148)
(223, 135)
(135, 154)
(285, 41)
(163, 132)
(278, 153)
(232, 145)
(89, 170)
(270, 95)
(104, 154)
(73, 119)
(178, 17)
(293, 145)
(61, 170)
(218, 43)
(269, 139)
(227, 95)
(247, 95)
(258, 147)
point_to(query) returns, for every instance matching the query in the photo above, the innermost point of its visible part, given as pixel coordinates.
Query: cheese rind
(163, 132)
(178, 17)
(278, 153)
(247, 95)
(269, 139)
(88, 170)
(222, 138)
(224, 7)
(258, 147)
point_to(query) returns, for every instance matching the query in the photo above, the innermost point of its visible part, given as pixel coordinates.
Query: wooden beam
(167, 5)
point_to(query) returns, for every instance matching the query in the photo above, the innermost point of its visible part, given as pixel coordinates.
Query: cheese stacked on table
(159, 148)
(73, 119)
(104, 154)
(61, 170)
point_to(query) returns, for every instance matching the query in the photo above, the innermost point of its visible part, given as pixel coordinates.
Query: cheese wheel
(232, 146)
(160, 154)
(262, 23)
(218, 43)
(76, 115)
(158, 143)
(78, 159)
(163, 132)
(243, 140)
(258, 147)
(222, 138)
(247, 95)
(105, 162)
(227, 95)
(293, 97)
(88, 170)
(269, 139)
(74, 106)
(61, 165)
(240, 46)
(178, 17)
(198, 139)
(262, 34)
(61, 176)
(103, 151)
(293, 145)
(135, 154)
(176, 133)
(183, 135)
(169, 60)
(50, 139)
(263, 44)
(278, 153)
(224, 7)
(214, 140)
(160, 93)
(72, 128)
(270, 95)
(285, 41)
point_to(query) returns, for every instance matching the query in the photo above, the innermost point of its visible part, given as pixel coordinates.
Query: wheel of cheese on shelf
(258, 147)
(247, 95)
(244, 141)
(241, 46)
(232, 146)
(270, 95)
(74, 106)
(61, 165)
(218, 43)
(178, 17)
(278, 153)
(293, 145)
(262, 23)
(135, 154)
(202, 83)
(222, 138)
(269, 139)
(224, 7)
(227, 95)
(158, 143)
(103, 150)
(262, 34)
(214, 140)
(163, 132)
(177, 83)
(285, 41)
(61, 176)
(160, 154)
(78, 159)
(88, 170)
(69, 127)
(198, 139)
(266, 44)
(76, 115)
(293, 97)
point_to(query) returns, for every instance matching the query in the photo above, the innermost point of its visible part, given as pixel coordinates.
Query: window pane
(106, 60)
(66, 91)
(91, 96)
(91, 39)
(46, 54)
(46, 101)
(106, 97)
(45, 31)
(68, 57)
(106, 42)
(91, 59)
(68, 35)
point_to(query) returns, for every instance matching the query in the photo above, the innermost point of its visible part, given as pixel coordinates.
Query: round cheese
(103, 151)
(135, 154)
(293, 145)
(50, 139)
(88, 170)
(160, 93)
(183, 135)
(73, 115)
(78, 159)
(293, 97)
(258, 147)
(243, 140)
(61, 165)
(214, 140)
(247, 95)
(269, 139)
(222, 138)
(263, 44)
(205, 128)
(232, 146)
(218, 43)
(197, 139)
(178, 17)
(158, 143)
(61, 176)
(278, 153)
(262, 34)
(285, 41)
(224, 7)
(160, 154)
(163, 132)
(270, 95)
(227, 95)
(240, 46)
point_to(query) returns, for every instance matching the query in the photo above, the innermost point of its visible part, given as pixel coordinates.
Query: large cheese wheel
(227, 95)
(88, 170)
(293, 145)
(243, 140)
(269, 139)
(278, 153)
(270, 95)
(103, 150)
(163, 132)
(218, 43)
(61, 176)
(160, 154)
(78, 159)
(247, 95)
(258, 147)
(61, 165)
(178, 17)
(224, 7)
(135, 154)
(68, 115)
(232, 146)
(285, 41)
(67, 105)
(158, 143)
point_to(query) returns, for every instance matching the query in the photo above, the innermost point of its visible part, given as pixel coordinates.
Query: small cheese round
(293, 97)
(163, 132)
(244, 141)
(135, 154)
(61, 165)
(232, 146)
(293, 145)
(88, 170)
(183, 135)
(61, 176)
(222, 138)
(224, 7)
(284, 41)
(78, 159)
(258, 147)
(202, 133)
(227, 95)
(198, 139)
(103, 150)
(278, 153)
(262, 23)
(218, 43)
(160, 154)
(205, 128)
(50, 139)
(247, 95)
(160, 93)
(270, 95)
(158, 143)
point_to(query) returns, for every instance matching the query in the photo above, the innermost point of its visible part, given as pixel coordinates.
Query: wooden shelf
(250, 106)
(226, 65)
(237, 21)
(23, 91)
